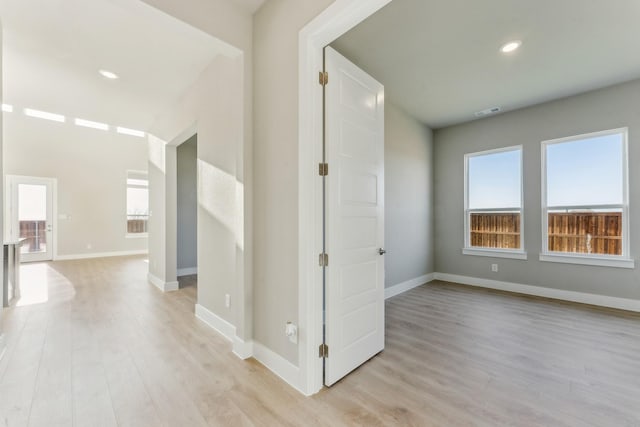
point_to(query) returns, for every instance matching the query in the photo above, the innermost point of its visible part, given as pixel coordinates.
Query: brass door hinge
(323, 351)
(323, 169)
(323, 78)
(323, 260)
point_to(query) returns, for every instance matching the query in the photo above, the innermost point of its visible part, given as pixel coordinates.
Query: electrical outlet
(227, 300)
(89, 246)
(291, 331)
(494, 268)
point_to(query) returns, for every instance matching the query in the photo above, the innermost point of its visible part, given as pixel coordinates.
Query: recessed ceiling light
(511, 46)
(131, 132)
(108, 74)
(7, 108)
(91, 124)
(44, 115)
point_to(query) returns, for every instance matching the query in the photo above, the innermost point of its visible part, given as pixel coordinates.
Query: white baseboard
(394, 290)
(216, 322)
(187, 271)
(581, 297)
(100, 255)
(246, 349)
(242, 349)
(161, 284)
(277, 364)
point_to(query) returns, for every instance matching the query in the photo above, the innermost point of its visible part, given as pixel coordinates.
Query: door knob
(381, 251)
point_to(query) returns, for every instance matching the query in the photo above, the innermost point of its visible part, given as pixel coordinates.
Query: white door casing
(354, 229)
(45, 248)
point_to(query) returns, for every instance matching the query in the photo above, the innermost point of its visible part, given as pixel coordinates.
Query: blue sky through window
(494, 180)
(585, 172)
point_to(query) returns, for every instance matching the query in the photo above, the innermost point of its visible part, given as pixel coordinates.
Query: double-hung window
(493, 203)
(585, 202)
(137, 203)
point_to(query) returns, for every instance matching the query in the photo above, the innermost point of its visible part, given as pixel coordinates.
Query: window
(137, 203)
(493, 203)
(585, 200)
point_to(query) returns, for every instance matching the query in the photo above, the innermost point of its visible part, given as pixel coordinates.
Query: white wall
(275, 103)
(91, 169)
(608, 108)
(408, 193)
(187, 204)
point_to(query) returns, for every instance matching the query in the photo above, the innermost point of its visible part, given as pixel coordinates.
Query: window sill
(495, 253)
(601, 261)
(136, 236)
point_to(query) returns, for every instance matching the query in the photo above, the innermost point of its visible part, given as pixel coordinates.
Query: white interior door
(354, 226)
(30, 210)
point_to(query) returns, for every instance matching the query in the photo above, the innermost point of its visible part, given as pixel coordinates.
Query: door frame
(337, 19)
(11, 203)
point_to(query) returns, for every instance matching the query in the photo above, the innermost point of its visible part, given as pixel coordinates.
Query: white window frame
(622, 261)
(493, 252)
(134, 174)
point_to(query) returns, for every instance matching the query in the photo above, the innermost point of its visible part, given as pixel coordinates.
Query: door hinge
(324, 260)
(323, 169)
(323, 78)
(323, 351)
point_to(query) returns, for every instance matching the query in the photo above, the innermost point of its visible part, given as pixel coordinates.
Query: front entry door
(31, 216)
(354, 212)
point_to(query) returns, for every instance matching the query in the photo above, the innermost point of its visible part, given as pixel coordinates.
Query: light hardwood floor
(107, 348)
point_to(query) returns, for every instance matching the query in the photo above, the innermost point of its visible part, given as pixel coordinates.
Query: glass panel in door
(32, 218)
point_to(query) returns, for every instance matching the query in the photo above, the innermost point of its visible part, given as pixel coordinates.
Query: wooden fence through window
(574, 232)
(586, 232)
(495, 230)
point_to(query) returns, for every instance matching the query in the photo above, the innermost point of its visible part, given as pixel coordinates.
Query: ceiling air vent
(488, 111)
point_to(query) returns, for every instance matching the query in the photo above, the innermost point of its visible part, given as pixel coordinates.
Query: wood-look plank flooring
(104, 347)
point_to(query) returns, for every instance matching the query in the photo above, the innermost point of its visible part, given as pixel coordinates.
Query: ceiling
(53, 49)
(440, 61)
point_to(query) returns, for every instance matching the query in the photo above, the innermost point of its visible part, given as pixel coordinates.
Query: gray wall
(275, 105)
(607, 108)
(408, 193)
(187, 172)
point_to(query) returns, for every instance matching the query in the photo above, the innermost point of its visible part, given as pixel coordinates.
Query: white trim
(468, 211)
(601, 261)
(280, 366)
(161, 284)
(136, 235)
(495, 253)
(216, 322)
(12, 198)
(100, 255)
(186, 271)
(624, 131)
(559, 294)
(335, 20)
(242, 349)
(394, 290)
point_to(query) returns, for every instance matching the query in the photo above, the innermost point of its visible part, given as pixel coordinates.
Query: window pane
(585, 172)
(494, 180)
(495, 230)
(586, 232)
(137, 201)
